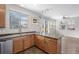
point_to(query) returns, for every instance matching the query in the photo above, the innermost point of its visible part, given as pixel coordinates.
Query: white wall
(74, 21)
(31, 26)
(69, 20)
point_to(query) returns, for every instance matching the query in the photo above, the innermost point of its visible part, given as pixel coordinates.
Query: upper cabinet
(2, 15)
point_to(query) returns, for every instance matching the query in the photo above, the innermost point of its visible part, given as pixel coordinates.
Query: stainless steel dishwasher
(6, 46)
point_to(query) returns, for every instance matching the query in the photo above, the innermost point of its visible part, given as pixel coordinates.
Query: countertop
(62, 33)
(5, 37)
(51, 36)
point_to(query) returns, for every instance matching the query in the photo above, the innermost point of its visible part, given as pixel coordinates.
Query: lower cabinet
(17, 44)
(40, 42)
(51, 45)
(31, 37)
(21, 43)
(36, 41)
(47, 44)
(28, 41)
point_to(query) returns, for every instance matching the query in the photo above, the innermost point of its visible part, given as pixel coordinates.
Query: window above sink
(18, 20)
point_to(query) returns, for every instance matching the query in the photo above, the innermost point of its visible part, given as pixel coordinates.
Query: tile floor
(33, 50)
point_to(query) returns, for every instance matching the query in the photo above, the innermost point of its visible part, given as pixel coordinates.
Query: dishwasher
(6, 46)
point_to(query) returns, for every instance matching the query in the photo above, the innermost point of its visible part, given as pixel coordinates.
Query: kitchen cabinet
(40, 42)
(51, 45)
(32, 39)
(28, 41)
(2, 15)
(17, 44)
(36, 41)
(22, 43)
(47, 44)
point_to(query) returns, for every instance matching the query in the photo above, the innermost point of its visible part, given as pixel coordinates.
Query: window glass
(18, 20)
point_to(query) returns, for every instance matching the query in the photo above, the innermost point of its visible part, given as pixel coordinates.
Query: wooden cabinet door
(26, 42)
(31, 37)
(2, 15)
(17, 44)
(36, 41)
(47, 44)
(52, 45)
(40, 42)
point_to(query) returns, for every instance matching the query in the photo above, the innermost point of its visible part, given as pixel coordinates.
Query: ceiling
(56, 11)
